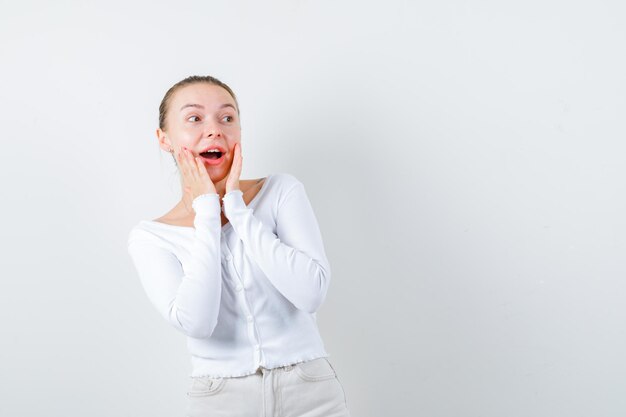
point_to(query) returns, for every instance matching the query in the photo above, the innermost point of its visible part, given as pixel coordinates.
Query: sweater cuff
(233, 200)
(206, 203)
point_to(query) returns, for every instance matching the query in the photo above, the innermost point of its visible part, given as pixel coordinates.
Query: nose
(213, 130)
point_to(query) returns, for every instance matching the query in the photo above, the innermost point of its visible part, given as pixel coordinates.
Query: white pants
(306, 389)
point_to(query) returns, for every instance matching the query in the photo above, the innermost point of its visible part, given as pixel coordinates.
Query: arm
(189, 300)
(293, 260)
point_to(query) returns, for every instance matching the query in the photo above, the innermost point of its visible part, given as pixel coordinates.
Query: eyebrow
(202, 107)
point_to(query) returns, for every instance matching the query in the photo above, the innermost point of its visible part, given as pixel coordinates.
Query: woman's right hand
(196, 179)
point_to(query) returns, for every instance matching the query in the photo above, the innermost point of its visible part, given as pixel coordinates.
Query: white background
(465, 160)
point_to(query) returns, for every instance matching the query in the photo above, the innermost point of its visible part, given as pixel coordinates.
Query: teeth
(213, 150)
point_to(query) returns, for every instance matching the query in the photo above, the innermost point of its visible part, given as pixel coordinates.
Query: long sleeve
(190, 299)
(294, 259)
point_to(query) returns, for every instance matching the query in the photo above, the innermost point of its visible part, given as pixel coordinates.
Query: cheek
(234, 131)
(184, 135)
(232, 144)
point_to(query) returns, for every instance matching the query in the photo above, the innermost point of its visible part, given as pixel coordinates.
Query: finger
(184, 166)
(235, 170)
(179, 158)
(200, 168)
(190, 163)
(193, 166)
(238, 160)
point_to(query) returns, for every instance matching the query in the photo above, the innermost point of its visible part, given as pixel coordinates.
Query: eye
(191, 117)
(228, 118)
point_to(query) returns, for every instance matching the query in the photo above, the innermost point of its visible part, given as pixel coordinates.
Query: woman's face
(203, 116)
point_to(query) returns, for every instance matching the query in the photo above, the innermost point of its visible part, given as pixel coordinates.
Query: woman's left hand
(232, 182)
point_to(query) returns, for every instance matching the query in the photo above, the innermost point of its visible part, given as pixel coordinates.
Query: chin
(217, 176)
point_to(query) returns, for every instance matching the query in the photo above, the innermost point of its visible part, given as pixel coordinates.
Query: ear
(164, 142)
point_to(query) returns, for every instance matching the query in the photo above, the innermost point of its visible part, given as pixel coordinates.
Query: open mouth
(211, 154)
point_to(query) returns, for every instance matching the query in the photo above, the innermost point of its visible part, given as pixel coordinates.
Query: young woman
(239, 267)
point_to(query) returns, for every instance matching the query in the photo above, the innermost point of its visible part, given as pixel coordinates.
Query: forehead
(207, 95)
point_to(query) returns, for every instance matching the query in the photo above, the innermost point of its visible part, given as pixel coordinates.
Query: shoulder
(145, 232)
(139, 232)
(285, 181)
(288, 188)
(284, 187)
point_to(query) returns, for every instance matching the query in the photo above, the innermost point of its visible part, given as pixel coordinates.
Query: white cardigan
(245, 293)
